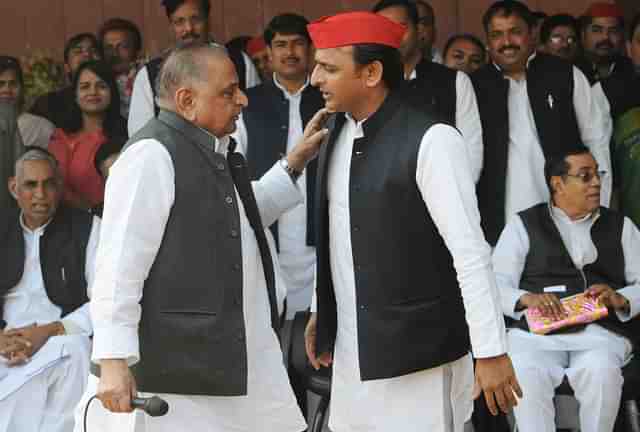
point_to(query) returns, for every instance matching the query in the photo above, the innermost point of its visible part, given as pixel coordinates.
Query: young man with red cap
(602, 34)
(404, 282)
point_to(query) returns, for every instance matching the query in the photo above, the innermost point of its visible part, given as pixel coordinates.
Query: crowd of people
(166, 223)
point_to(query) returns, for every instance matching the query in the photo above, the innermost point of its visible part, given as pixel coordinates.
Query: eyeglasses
(587, 176)
(558, 39)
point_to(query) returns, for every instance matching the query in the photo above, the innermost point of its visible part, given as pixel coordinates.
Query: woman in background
(94, 121)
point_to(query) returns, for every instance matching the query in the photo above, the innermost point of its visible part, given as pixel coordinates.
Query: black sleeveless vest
(550, 89)
(409, 306)
(548, 262)
(192, 333)
(63, 248)
(434, 90)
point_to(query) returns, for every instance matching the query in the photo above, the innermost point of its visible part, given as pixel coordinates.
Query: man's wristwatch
(293, 173)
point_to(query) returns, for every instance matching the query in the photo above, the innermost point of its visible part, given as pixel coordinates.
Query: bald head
(186, 65)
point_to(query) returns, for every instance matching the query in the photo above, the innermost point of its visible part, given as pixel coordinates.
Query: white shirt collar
(304, 86)
(558, 214)
(38, 231)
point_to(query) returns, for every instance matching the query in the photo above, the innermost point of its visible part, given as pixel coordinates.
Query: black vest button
(220, 166)
(229, 200)
(234, 233)
(356, 229)
(237, 267)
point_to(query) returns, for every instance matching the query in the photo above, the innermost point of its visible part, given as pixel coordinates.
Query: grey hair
(37, 154)
(186, 65)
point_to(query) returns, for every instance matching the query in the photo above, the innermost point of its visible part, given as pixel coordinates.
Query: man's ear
(185, 103)
(13, 187)
(629, 49)
(372, 74)
(556, 184)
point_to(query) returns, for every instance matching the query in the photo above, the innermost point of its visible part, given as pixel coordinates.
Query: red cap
(604, 10)
(353, 28)
(255, 45)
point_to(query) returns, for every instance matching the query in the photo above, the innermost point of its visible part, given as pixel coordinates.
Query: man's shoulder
(429, 69)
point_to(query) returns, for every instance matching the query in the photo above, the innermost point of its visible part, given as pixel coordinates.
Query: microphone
(153, 406)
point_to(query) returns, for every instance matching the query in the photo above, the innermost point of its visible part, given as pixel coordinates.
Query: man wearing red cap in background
(397, 221)
(257, 50)
(602, 34)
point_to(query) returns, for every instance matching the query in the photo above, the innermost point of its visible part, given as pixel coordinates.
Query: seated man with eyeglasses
(554, 250)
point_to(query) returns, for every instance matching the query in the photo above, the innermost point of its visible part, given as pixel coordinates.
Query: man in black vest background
(531, 105)
(185, 288)
(443, 92)
(270, 126)
(404, 285)
(47, 254)
(557, 249)
(619, 94)
(189, 22)
(602, 36)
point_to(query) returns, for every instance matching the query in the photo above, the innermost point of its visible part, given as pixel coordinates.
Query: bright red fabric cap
(604, 10)
(255, 45)
(353, 28)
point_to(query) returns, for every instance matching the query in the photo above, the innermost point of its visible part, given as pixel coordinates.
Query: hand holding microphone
(117, 390)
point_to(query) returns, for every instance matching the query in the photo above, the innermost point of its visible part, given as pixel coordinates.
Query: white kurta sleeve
(631, 250)
(444, 180)
(595, 129)
(275, 194)
(139, 197)
(252, 77)
(509, 258)
(141, 109)
(468, 122)
(79, 321)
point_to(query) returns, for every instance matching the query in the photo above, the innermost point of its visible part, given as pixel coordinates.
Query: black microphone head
(156, 407)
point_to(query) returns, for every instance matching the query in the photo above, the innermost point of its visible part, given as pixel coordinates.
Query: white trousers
(46, 402)
(594, 376)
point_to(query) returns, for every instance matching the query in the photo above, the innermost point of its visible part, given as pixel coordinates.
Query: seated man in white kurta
(558, 249)
(47, 254)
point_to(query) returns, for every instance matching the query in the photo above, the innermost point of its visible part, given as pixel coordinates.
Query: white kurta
(437, 399)
(135, 221)
(542, 362)
(141, 108)
(525, 182)
(45, 398)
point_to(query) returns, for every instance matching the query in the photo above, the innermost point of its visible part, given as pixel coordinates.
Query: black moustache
(292, 58)
(190, 35)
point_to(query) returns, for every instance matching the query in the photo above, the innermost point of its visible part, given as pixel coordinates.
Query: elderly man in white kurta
(192, 234)
(405, 287)
(47, 254)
